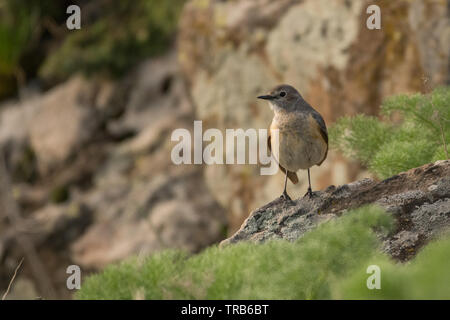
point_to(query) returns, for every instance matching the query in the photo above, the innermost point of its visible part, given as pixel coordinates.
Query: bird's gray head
(283, 97)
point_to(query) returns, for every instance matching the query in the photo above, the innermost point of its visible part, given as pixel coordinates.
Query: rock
(157, 92)
(324, 32)
(119, 192)
(144, 203)
(54, 226)
(141, 201)
(22, 289)
(419, 200)
(168, 211)
(59, 225)
(15, 120)
(232, 51)
(62, 125)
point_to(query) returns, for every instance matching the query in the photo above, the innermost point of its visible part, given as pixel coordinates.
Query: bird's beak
(267, 97)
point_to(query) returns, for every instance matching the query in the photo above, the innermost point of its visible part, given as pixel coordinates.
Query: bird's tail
(291, 175)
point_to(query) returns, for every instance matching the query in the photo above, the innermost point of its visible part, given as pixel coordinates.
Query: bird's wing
(291, 175)
(323, 131)
(322, 126)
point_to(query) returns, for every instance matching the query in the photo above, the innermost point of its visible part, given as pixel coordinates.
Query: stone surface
(419, 200)
(62, 124)
(166, 211)
(52, 226)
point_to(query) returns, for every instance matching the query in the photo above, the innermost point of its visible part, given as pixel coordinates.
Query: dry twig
(13, 215)
(12, 280)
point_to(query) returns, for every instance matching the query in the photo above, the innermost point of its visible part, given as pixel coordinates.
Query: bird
(303, 135)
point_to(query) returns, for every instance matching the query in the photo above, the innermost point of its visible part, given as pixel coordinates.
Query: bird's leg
(309, 192)
(284, 195)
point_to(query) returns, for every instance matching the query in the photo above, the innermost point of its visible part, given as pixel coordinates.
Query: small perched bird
(303, 136)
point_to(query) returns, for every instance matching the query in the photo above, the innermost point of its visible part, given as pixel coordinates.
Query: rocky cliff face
(89, 167)
(419, 199)
(232, 51)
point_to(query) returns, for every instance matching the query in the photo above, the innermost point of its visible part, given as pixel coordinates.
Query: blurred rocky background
(86, 115)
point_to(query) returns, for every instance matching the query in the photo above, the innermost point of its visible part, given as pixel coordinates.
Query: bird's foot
(285, 196)
(309, 193)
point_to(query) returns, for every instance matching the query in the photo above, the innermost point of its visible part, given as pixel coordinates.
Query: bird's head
(282, 97)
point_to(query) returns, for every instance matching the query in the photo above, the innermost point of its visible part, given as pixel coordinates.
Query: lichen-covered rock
(419, 200)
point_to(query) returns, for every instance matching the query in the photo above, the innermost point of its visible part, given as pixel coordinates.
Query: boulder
(62, 125)
(168, 211)
(418, 199)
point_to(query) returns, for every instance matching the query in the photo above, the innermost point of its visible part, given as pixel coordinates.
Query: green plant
(16, 27)
(125, 33)
(426, 277)
(305, 269)
(329, 262)
(16, 22)
(387, 147)
(127, 279)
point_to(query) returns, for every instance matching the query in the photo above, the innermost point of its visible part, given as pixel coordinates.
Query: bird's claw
(309, 193)
(285, 196)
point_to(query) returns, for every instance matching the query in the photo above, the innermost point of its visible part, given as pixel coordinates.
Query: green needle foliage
(329, 262)
(305, 269)
(387, 147)
(426, 277)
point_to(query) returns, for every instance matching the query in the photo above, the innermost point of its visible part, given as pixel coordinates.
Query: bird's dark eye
(282, 94)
